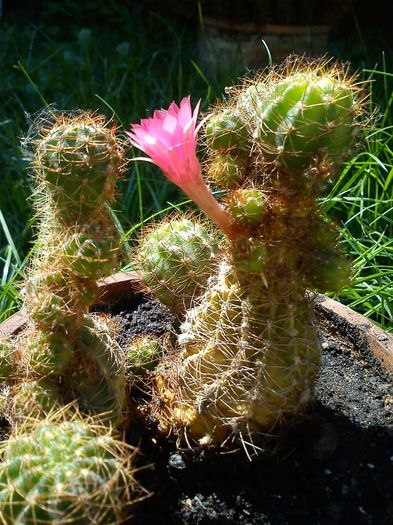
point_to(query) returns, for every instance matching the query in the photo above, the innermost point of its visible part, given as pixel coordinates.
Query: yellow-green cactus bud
(227, 169)
(143, 355)
(248, 205)
(225, 130)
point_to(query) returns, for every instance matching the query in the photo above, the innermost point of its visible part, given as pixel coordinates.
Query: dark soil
(336, 467)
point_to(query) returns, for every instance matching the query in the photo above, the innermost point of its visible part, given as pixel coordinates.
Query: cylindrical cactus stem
(65, 471)
(248, 361)
(78, 160)
(97, 375)
(176, 257)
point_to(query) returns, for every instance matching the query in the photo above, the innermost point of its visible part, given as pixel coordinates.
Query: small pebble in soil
(200, 510)
(176, 461)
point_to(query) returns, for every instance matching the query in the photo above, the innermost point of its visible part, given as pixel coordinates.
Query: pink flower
(170, 139)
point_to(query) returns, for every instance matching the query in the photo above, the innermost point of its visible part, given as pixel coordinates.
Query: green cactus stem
(225, 129)
(78, 160)
(97, 375)
(59, 471)
(305, 117)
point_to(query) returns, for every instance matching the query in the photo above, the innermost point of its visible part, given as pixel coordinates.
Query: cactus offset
(176, 258)
(143, 355)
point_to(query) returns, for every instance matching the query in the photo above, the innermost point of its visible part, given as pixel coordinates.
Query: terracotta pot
(363, 333)
(225, 46)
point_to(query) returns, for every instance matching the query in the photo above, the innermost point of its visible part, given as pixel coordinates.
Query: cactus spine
(249, 350)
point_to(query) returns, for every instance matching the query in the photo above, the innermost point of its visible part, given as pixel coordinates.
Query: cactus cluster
(248, 347)
(78, 160)
(247, 350)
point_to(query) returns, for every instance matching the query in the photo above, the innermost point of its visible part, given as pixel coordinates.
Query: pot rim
(379, 342)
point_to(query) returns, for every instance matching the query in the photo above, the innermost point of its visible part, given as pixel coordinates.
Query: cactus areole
(248, 350)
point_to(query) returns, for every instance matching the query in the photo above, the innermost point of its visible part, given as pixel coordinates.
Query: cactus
(34, 398)
(77, 162)
(226, 169)
(143, 355)
(7, 361)
(248, 348)
(175, 258)
(248, 205)
(305, 117)
(97, 375)
(226, 129)
(64, 471)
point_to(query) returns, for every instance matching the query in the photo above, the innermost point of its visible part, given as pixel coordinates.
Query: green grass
(362, 203)
(128, 78)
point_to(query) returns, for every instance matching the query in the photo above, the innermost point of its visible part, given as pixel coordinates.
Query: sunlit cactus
(176, 257)
(248, 205)
(143, 355)
(248, 351)
(305, 116)
(227, 169)
(77, 162)
(65, 470)
(226, 129)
